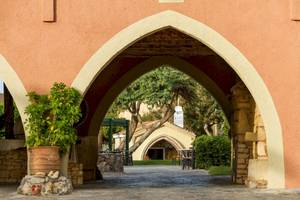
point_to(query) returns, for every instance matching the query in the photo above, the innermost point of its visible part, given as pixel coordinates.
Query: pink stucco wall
(42, 53)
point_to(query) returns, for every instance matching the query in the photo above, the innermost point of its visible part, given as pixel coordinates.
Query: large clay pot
(44, 159)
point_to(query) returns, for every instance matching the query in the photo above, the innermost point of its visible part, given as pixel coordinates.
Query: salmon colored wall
(42, 53)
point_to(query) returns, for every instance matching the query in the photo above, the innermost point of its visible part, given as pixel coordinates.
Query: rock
(56, 174)
(50, 174)
(62, 178)
(24, 188)
(54, 185)
(40, 174)
(47, 189)
(62, 187)
(36, 180)
(53, 175)
(110, 162)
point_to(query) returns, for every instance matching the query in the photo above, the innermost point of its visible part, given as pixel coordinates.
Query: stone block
(250, 136)
(261, 133)
(110, 162)
(261, 149)
(243, 155)
(257, 169)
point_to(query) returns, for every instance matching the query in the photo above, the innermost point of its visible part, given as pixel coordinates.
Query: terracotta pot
(44, 159)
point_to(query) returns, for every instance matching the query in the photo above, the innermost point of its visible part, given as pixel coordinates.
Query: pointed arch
(176, 144)
(14, 85)
(216, 42)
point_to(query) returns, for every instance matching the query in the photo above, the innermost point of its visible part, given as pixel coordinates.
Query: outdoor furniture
(187, 158)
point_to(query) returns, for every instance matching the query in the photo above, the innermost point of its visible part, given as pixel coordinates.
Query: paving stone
(161, 183)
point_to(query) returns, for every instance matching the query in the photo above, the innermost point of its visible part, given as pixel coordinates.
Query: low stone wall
(110, 162)
(13, 165)
(75, 173)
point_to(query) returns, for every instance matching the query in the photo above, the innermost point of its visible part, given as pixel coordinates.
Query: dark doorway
(156, 154)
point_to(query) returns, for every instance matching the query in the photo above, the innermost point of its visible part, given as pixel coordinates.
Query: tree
(159, 89)
(204, 116)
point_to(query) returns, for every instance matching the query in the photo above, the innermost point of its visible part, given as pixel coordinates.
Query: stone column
(258, 165)
(241, 122)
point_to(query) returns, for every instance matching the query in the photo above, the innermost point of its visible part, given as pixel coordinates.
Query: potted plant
(50, 120)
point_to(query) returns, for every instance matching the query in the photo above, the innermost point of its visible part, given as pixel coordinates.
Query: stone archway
(221, 47)
(179, 138)
(15, 86)
(166, 147)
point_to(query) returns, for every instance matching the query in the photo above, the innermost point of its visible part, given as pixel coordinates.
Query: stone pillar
(258, 165)
(241, 122)
(87, 155)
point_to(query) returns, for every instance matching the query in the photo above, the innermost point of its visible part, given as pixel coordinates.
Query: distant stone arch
(176, 144)
(179, 138)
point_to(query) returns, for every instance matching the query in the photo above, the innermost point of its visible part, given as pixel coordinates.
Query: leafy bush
(212, 151)
(51, 117)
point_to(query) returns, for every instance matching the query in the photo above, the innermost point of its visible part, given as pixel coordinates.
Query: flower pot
(44, 159)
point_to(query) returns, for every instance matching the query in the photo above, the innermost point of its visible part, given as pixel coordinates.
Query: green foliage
(155, 162)
(204, 110)
(51, 117)
(151, 116)
(219, 170)
(212, 151)
(156, 88)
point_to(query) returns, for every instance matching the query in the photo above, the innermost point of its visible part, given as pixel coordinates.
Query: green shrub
(212, 151)
(51, 118)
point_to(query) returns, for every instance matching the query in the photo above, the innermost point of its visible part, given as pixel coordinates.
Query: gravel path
(160, 183)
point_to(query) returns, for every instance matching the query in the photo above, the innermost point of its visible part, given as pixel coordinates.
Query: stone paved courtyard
(160, 183)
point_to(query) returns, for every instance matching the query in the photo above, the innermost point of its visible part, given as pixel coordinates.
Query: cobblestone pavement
(160, 183)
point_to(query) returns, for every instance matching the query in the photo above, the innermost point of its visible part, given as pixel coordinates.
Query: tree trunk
(8, 114)
(145, 135)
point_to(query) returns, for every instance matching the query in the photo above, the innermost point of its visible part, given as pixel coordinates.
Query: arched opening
(161, 150)
(13, 154)
(115, 65)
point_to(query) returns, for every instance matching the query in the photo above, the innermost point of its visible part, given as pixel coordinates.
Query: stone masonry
(75, 173)
(250, 157)
(258, 165)
(110, 162)
(13, 165)
(241, 122)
